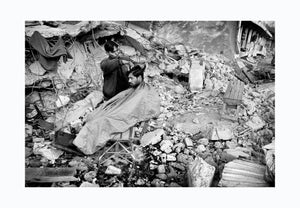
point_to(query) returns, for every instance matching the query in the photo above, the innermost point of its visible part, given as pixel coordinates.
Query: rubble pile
(187, 145)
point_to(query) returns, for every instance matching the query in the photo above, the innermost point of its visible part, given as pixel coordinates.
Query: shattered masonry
(193, 142)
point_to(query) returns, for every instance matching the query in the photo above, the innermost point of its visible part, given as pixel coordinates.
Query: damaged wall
(210, 36)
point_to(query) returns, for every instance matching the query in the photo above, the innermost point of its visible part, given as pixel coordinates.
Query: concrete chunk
(200, 173)
(152, 137)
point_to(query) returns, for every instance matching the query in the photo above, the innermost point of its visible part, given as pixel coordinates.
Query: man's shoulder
(108, 61)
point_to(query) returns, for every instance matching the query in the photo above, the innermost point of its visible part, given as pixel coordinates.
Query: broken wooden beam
(50, 175)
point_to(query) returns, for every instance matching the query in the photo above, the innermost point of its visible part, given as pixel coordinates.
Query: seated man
(114, 70)
(136, 76)
(138, 103)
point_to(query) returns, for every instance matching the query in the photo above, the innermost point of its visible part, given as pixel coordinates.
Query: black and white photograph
(149, 103)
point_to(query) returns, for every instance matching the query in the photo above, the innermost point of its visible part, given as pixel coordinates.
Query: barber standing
(114, 69)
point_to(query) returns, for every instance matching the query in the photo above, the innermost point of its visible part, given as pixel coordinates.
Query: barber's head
(136, 75)
(112, 48)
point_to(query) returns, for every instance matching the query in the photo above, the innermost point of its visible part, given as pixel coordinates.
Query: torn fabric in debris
(49, 55)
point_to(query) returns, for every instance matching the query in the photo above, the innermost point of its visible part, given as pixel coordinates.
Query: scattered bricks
(178, 147)
(203, 141)
(157, 183)
(201, 148)
(28, 130)
(188, 142)
(163, 157)
(153, 166)
(161, 169)
(186, 151)
(231, 144)
(156, 152)
(177, 166)
(89, 176)
(162, 176)
(218, 145)
(171, 157)
(166, 146)
(172, 173)
(140, 182)
(184, 158)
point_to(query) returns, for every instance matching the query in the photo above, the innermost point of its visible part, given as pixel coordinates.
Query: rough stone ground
(191, 126)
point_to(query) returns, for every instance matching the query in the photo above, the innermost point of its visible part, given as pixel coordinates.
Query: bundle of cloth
(116, 116)
(49, 54)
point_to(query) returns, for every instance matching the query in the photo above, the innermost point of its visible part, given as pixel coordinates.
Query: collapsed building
(189, 143)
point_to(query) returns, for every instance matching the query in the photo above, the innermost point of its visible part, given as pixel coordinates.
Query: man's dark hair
(137, 70)
(109, 46)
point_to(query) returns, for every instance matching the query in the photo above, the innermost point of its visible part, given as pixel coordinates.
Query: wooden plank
(228, 90)
(49, 175)
(240, 95)
(232, 90)
(248, 75)
(234, 94)
(238, 91)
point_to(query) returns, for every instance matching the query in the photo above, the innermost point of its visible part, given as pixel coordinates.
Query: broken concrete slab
(152, 137)
(200, 173)
(28, 152)
(128, 50)
(179, 89)
(183, 158)
(188, 128)
(208, 84)
(231, 144)
(47, 151)
(78, 165)
(166, 146)
(171, 157)
(28, 130)
(196, 76)
(178, 147)
(136, 36)
(243, 173)
(161, 169)
(90, 176)
(201, 148)
(37, 69)
(256, 123)
(177, 166)
(163, 157)
(203, 141)
(62, 101)
(221, 133)
(188, 142)
(112, 170)
(162, 176)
